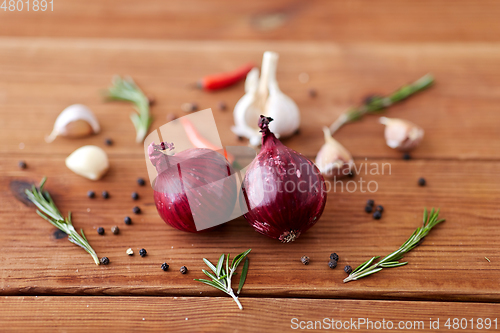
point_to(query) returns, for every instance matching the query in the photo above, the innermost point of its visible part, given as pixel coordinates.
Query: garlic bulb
(401, 134)
(88, 161)
(74, 122)
(333, 160)
(263, 97)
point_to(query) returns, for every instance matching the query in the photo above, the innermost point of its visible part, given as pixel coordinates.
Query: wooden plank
(357, 20)
(39, 78)
(449, 265)
(207, 314)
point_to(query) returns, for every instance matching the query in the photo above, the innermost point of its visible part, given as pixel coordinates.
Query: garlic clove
(333, 160)
(88, 161)
(252, 80)
(75, 121)
(401, 134)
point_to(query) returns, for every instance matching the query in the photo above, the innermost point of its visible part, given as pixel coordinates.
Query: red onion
(194, 185)
(283, 190)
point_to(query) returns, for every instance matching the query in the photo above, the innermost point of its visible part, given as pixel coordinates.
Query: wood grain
(449, 265)
(40, 77)
(336, 20)
(213, 314)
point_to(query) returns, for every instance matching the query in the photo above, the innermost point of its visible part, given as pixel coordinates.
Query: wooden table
(349, 50)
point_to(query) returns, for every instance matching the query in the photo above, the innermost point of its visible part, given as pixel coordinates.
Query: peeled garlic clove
(75, 121)
(333, 160)
(401, 134)
(88, 161)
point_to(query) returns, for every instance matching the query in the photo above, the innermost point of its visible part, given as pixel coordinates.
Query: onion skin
(274, 208)
(181, 175)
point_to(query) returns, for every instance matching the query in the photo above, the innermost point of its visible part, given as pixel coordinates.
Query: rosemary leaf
(243, 276)
(219, 265)
(209, 264)
(49, 212)
(392, 260)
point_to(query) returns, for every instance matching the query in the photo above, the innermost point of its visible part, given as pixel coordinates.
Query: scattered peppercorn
(104, 260)
(143, 252)
(100, 231)
(240, 138)
(141, 181)
(350, 174)
(91, 194)
(421, 182)
(305, 260)
(332, 264)
(151, 100)
(135, 196)
(377, 215)
(130, 252)
(105, 194)
(368, 209)
(334, 256)
(115, 230)
(312, 93)
(406, 156)
(108, 142)
(136, 210)
(222, 106)
(127, 220)
(171, 117)
(380, 208)
(22, 165)
(370, 202)
(183, 270)
(348, 269)
(164, 266)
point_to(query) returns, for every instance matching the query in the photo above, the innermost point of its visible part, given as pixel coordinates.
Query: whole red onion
(284, 191)
(194, 185)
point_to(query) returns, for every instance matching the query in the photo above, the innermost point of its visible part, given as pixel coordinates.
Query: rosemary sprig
(392, 260)
(378, 103)
(125, 89)
(48, 210)
(222, 278)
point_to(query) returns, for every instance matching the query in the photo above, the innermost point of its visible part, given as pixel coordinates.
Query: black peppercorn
(115, 230)
(421, 182)
(332, 264)
(305, 260)
(127, 220)
(368, 209)
(406, 156)
(370, 202)
(136, 210)
(312, 93)
(143, 252)
(108, 142)
(183, 270)
(380, 208)
(222, 106)
(141, 181)
(164, 266)
(334, 256)
(105, 194)
(377, 215)
(104, 260)
(135, 196)
(91, 194)
(100, 231)
(348, 269)
(22, 165)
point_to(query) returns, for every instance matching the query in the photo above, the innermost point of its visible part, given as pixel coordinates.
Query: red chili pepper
(223, 80)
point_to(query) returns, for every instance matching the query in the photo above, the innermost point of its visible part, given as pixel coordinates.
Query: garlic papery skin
(75, 121)
(401, 134)
(88, 161)
(333, 160)
(263, 97)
